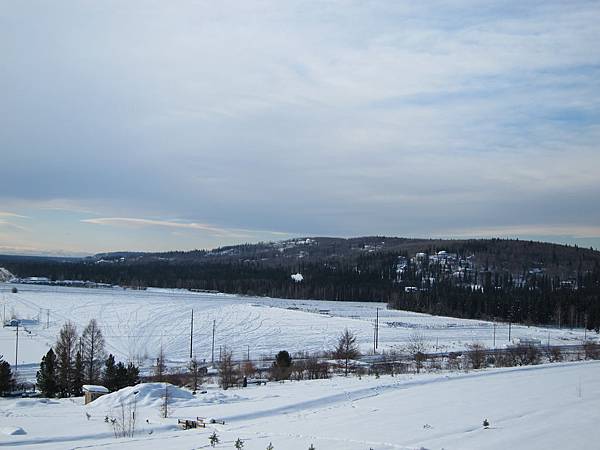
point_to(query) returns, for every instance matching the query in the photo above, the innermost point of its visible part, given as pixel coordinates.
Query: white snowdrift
(145, 395)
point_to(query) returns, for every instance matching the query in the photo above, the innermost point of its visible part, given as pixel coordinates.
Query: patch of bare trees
(417, 348)
(229, 374)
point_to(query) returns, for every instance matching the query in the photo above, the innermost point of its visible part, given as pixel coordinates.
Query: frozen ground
(535, 407)
(135, 323)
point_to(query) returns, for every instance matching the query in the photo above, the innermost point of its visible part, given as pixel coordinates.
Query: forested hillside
(522, 281)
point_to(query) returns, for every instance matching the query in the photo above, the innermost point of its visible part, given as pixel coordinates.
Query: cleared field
(136, 323)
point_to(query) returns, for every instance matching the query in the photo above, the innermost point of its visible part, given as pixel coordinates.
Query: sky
(153, 125)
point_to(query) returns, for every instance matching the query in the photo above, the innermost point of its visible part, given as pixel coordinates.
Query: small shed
(91, 392)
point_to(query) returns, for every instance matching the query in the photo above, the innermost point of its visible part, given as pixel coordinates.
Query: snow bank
(146, 394)
(12, 431)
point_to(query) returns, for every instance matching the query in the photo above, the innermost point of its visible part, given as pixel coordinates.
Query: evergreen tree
(213, 439)
(78, 374)
(282, 367)
(65, 349)
(110, 373)
(120, 376)
(347, 348)
(7, 381)
(239, 444)
(132, 374)
(46, 376)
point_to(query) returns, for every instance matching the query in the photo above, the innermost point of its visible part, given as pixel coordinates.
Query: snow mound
(12, 431)
(145, 394)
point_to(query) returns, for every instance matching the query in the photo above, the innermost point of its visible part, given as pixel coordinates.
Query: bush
(592, 350)
(476, 355)
(282, 367)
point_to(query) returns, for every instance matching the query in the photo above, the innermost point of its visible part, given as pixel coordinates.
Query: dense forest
(520, 281)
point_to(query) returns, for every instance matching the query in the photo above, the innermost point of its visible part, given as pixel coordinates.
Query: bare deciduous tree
(347, 348)
(93, 354)
(123, 422)
(195, 374)
(417, 348)
(160, 368)
(228, 373)
(65, 350)
(476, 354)
(165, 406)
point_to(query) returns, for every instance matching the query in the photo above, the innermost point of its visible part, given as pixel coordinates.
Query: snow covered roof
(94, 388)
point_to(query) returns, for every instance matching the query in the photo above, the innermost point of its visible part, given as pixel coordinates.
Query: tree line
(343, 270)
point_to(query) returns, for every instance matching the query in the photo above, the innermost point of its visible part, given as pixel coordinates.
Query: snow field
(136, 323)
(547, 406)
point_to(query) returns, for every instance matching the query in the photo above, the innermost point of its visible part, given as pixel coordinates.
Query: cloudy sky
(155, 125)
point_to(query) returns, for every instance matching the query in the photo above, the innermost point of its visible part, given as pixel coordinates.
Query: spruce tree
(120, 376)
(213, 439)
(282, 367)
(110, 373)
(7, 381)
(46, 376)
(78, 375)
(133, 374)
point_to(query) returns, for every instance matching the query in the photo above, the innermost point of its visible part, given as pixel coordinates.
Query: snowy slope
(536, 407)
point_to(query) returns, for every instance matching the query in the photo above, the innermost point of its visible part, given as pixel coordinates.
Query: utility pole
(48, 318)
(377, 330)
(17, 350)
(494, 334)
(192, 335)
(213, 343)
(248, 353)
(509, 328)
(374, 337)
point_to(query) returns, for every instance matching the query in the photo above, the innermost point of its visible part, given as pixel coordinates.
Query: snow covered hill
(535, 407)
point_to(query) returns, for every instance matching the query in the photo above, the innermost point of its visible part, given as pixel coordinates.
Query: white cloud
(140, 223)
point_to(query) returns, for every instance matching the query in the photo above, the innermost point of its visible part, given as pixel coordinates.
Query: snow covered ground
(135, 323)
(535, 407)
